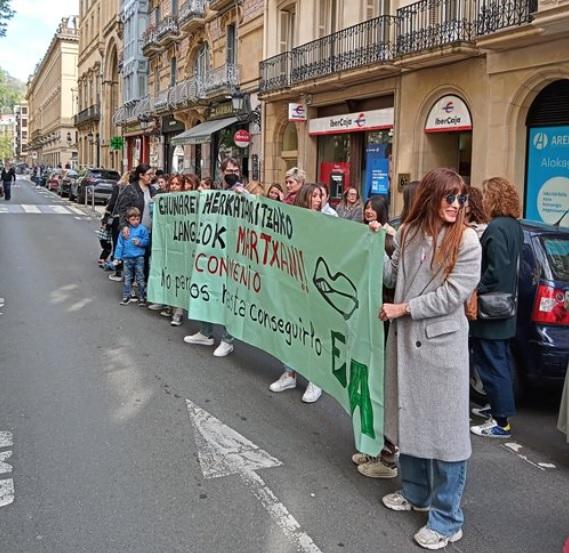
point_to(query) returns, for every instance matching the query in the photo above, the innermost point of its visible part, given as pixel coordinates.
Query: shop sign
(547, 183)
(242, 138)
(296, 112)
(221, 110)
(449, 114)
(117, 142)
(362, 121)
(377, 170)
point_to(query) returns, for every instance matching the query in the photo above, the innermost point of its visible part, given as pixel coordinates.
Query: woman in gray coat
(434, 269)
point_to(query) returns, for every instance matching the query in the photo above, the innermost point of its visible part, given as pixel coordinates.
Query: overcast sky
(30, 32)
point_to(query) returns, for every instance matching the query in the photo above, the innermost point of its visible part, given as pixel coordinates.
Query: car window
(107, 175)
(557, 251)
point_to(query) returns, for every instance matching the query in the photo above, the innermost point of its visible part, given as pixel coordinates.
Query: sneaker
(115, 278)
(199, 339)
(312, 393)
(101, 263)
(285, 382)
(429, 539)
(377, 469)
(491, 429)
(126, 301)
(142, 302)
(362, 458)
(166, 312)
(155, 306)
(396, 502)
(176, 320)
(482, 412)
(223, 350)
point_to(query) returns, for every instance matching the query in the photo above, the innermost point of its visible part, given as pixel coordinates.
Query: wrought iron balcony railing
(150, 38)
(191, 11)
(363, 44)
(125, 113)
(143, 109)
(92, 113)
(160, 101)
(495, 15)
(167, 30)
(183, 93)
(429, 24)
(275, 72)
(218, 80)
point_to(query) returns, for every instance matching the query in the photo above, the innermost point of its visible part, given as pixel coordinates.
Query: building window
(24, 122)
(156, 81)
(172, 71)
(157, 15)
(174, 7)
(202, 62)
(327, 17)
(287, 29)
(231, 44)
(376, 8)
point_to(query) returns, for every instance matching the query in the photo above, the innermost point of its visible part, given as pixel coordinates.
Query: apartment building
(21, 132)
(374, 94)
(50, 98)
(98, 84)
(7, 135)
(201, 103)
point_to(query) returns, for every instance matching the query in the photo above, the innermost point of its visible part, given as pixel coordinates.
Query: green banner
(300, 285)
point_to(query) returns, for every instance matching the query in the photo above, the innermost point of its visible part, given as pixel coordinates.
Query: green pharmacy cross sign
(117, 142)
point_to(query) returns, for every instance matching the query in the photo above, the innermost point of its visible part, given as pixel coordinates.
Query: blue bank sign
(547, 185)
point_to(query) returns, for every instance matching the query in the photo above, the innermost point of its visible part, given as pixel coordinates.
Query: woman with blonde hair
(434, 269)
(294, 180)
(502, 244)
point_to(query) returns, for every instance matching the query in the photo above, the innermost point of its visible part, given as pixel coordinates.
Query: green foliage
(6, 13)
(6, 148)
(11, 91)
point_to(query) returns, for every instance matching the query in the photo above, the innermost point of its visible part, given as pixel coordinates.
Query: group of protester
(453, 242)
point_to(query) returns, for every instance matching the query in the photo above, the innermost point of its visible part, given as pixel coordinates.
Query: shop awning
(201, 134)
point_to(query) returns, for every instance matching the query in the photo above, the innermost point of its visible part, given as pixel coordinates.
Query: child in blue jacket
(131, 252)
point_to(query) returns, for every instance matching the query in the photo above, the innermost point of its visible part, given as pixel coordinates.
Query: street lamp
(69, 139)
(237, 100)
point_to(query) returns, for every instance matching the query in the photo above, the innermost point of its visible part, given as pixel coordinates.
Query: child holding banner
(427, 358)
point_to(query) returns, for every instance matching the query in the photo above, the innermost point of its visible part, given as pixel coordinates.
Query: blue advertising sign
(377, 170)
(547, 182)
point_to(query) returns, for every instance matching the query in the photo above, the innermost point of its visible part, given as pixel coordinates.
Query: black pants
(7, 189)
(115, 231)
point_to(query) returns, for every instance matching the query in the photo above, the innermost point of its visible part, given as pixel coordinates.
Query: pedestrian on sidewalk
(8, 177)
(434, 269)
(502, 243)
(130, 250)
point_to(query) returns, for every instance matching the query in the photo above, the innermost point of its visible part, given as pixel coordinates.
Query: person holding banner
(351, 207)
(294, 180)
(309, 197)
(434, 269)
(231, 182)
(326, 208)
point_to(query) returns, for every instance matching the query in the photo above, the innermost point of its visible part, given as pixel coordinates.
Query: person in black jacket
(8, 176)
(111, 213)
(502, 243)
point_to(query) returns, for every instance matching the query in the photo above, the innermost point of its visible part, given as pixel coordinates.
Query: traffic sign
(242, 138)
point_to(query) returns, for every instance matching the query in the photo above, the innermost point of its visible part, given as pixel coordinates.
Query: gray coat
(427, 368)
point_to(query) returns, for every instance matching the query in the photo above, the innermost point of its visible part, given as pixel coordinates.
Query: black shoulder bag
(496, 306)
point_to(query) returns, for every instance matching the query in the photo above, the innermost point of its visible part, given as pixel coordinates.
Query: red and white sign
(296, 112)
(449, 114)
(362, 121)
(242, 138)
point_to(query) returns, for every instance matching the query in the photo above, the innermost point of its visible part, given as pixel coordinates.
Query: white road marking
(7, 492)
(5, 468)
(75, 210)
(59, 209)
(6, 439)
(224, 452)
(31, 208)
(516, 448)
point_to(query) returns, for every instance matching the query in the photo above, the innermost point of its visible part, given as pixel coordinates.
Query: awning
(201, 134)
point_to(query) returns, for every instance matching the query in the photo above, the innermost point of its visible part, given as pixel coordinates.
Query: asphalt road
(105, 458)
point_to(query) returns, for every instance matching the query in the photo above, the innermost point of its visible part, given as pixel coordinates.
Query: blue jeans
(438, 485)
(7, 189)
(492, 360)
(207, 330)
(133, 269)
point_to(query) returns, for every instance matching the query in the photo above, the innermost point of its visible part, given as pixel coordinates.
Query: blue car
(541, 347)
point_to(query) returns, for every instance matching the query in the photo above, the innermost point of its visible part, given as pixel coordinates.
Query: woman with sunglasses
(434, 269)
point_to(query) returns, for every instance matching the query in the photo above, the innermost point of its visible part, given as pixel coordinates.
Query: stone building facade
(50, 97)
(383, 92)
(21, 133)
(98, 88)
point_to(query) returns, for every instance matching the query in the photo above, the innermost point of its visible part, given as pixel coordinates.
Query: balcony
(220, 4)
(168, 31)
(143, 109)
(91, 114)
(182, 94)
(191, 15)
(218, 82)
(125, 114)
(367, 44)
(150, 41)
(160, 102)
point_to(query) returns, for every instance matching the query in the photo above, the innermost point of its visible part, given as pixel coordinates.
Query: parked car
(65, 185)
(97, 183)
(540, 349)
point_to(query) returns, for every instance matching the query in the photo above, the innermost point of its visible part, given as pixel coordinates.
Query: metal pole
(93, 201)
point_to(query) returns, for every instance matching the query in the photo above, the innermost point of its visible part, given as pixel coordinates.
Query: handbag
(496, 306)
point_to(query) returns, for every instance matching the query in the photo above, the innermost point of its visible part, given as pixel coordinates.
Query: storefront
(449, 136)
(547, 170)
(137, 145)
(170, 128)
(355, 149)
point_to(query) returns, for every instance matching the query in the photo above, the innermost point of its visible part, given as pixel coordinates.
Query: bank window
(287, 29)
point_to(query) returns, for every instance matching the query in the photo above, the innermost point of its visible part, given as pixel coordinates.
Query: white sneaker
(199, 339)
(177, 320)
(155, 306)
(429, 539)
(223, 350)
(396, 502)
(312, 393)
(285, 382)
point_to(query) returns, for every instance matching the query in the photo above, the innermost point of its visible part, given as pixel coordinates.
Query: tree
(6, 148)
(6, 13)
(11, 90)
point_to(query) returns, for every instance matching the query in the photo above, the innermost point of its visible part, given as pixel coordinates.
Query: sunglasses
(451, 198)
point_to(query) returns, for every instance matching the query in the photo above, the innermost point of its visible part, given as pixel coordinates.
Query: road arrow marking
(6, 438)
(224, 452)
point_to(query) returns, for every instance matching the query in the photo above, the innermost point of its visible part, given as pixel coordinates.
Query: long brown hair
(304, 196)
(501, 199)
(424, 217)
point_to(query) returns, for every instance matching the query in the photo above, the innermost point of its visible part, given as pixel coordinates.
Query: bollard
(93, 201)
